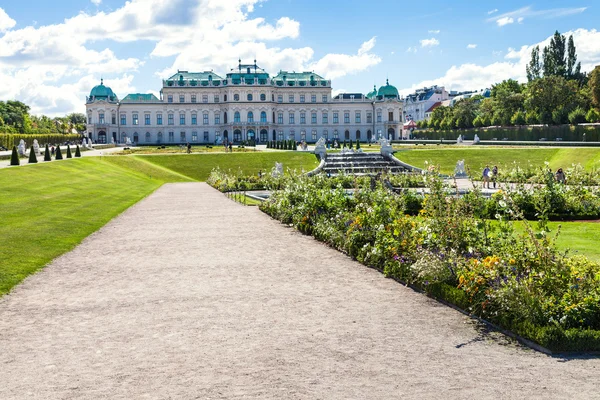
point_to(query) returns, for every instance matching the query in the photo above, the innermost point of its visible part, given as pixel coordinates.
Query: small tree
(69, 155)
(58, 153)
(560, 116)
(14, 157)
(350, 145)
(577, 116)
(357, 144)
(592, 116)
(532, 118)
(32, 156)
(518, 118)
(77, 152)
(47, 156)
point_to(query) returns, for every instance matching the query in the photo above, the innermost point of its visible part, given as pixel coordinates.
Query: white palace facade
(248, 104)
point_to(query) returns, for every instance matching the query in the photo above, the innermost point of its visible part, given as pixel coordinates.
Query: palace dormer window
(263, 97)
(249, 97)
(236, 97)
(170, 98)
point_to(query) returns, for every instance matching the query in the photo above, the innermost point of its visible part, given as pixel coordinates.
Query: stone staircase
(360, 164)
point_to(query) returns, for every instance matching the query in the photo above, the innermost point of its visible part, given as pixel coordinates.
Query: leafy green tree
(550, 93)
(573, 67)
(477, 122)
(592, 116)
(534, 68)
(496, 120)
(518, 118)
(560, 116)
(507, 99)
(577, 116)
(532, 118)
(594, 86)
(555, 62)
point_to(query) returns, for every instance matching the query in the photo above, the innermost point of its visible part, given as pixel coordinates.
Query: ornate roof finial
(101, 81)
(387, 82)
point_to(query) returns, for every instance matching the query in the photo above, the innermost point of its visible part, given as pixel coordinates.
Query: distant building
(248, 104)
(420, 105)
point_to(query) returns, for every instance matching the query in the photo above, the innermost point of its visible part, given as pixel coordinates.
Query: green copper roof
(285, 78)
(372, 94)
(198, 76)
(140, 98)
(102, 92)
(388, 91)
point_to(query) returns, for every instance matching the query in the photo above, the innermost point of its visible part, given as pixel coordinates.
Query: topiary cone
(47, 156)
(58, 153)
(14, 157)
(77, 152)
(69, 152)
(32, 156)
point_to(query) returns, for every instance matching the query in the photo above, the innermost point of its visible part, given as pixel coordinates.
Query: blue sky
(52, 53)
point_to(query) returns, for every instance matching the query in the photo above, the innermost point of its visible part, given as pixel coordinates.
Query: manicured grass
(198, 166)
(179, 150)
(147, 168)
(47, 209)
(477, 157)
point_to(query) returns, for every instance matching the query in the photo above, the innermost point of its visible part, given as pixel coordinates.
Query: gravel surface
(189, 295)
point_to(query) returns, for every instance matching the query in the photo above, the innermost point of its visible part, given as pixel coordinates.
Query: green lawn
(476, 157)
(48, 208)
(198, 166)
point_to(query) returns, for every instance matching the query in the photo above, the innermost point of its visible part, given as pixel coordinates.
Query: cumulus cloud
(6, 22)
(96, 2)
(521, 13)
(473, 77)
(471, 46)
(430, 42)
(504, 21)
(193, 34)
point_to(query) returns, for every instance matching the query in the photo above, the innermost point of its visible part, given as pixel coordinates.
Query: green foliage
(518, 118)
(77, 152)
(577, 116)
(357, 144)
(534, 68)
(69, 152)
(9, 140)
(32, 156)
(478, 122)
(58, 154)
(594, 85)
(560, 116)
(47, 156)
(14, 157)
(592, 116)
(532, 118)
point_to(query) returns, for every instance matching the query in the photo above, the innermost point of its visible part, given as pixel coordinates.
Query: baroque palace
(248, 104)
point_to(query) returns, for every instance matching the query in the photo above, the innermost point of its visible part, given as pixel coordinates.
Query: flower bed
(449, 250)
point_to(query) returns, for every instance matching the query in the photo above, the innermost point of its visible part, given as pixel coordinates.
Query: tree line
(16, 119)
(556, 93)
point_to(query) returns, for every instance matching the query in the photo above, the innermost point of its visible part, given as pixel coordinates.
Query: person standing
(189, 148)
(560, 176)
(494, 175)
(486, 177)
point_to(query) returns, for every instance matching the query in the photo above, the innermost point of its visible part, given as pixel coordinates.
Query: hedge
(9, 140)
(525, 133)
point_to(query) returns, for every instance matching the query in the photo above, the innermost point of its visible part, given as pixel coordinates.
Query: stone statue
(127, 141)
(277, 170)
(460, 139)
(476, 139)
(320, 148)
(22, 148)
(459, 171)
(386, 147)
(36, 147)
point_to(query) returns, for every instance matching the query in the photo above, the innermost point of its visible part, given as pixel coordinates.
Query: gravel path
(189, 295)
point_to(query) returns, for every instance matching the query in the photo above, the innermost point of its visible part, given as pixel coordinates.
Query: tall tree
(594, 86)
(573, 67)
(534, 68)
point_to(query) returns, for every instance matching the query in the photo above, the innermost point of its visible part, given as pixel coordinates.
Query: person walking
(230, 148)
(189, 148)
(494, 175)
(486, 177)
(560, 176)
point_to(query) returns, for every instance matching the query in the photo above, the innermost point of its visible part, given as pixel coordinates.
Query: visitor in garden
(560, 176)
(486, 176)
(230, 148)
(494, 175)
(189, 148)
(52, 150)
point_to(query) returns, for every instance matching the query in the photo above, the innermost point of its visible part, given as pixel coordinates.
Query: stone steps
(360, 164)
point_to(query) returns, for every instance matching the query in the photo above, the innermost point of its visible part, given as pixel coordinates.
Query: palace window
(135, 118)
(206, 136)
(324, 98)
(302, 135)
(326, 134)
(357, 117)
(390, 116)
(181, 119)
(325, 118)
(336, 135)
(249, 97)
(280, 98)
(205, 98)
(101, 118)
(194, 119)
(250, 116)
(236, 117)
(346, 117)
(158, 119)
(313, 135)
(205, 119)
(280, 135)
(90, 118)
(263, 97)
(369, 118)
(216, 98)
(292, 118)
(170, 98)
(302, 98)
(378, 116)
(302, 118)
(313, 118)
(170, 119)
(171, 137)
(313, 98)
(217, 136)
(280, 118)
(336, 118)
(263, 117)
(182, 137)
(114, 119)
(182, 98)
(147, 137)
(146, 119)
(193, 98)
(291, 98)
(194, 136)
(236, 97)
(217, 118)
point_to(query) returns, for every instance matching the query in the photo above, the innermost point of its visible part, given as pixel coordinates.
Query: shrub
(69, 155)
(77, 152)
(47, 156)
(532, 118)
(592, 116)
(478, 122)
(14, 157)
(577, 116)
(560, 116)
(518, 118)
(496, 120)
(32, 156)
(58, 153)
(546, 118)
(357, 144)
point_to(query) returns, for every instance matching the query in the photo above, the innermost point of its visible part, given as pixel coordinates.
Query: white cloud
(504, 21)
(472, 76)
(96, 2)
(6, 22)
(411, 50)
(195, 34)
(430, 42)
(471, 46)
(435, 32)
(495, 10)
(521, 13)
